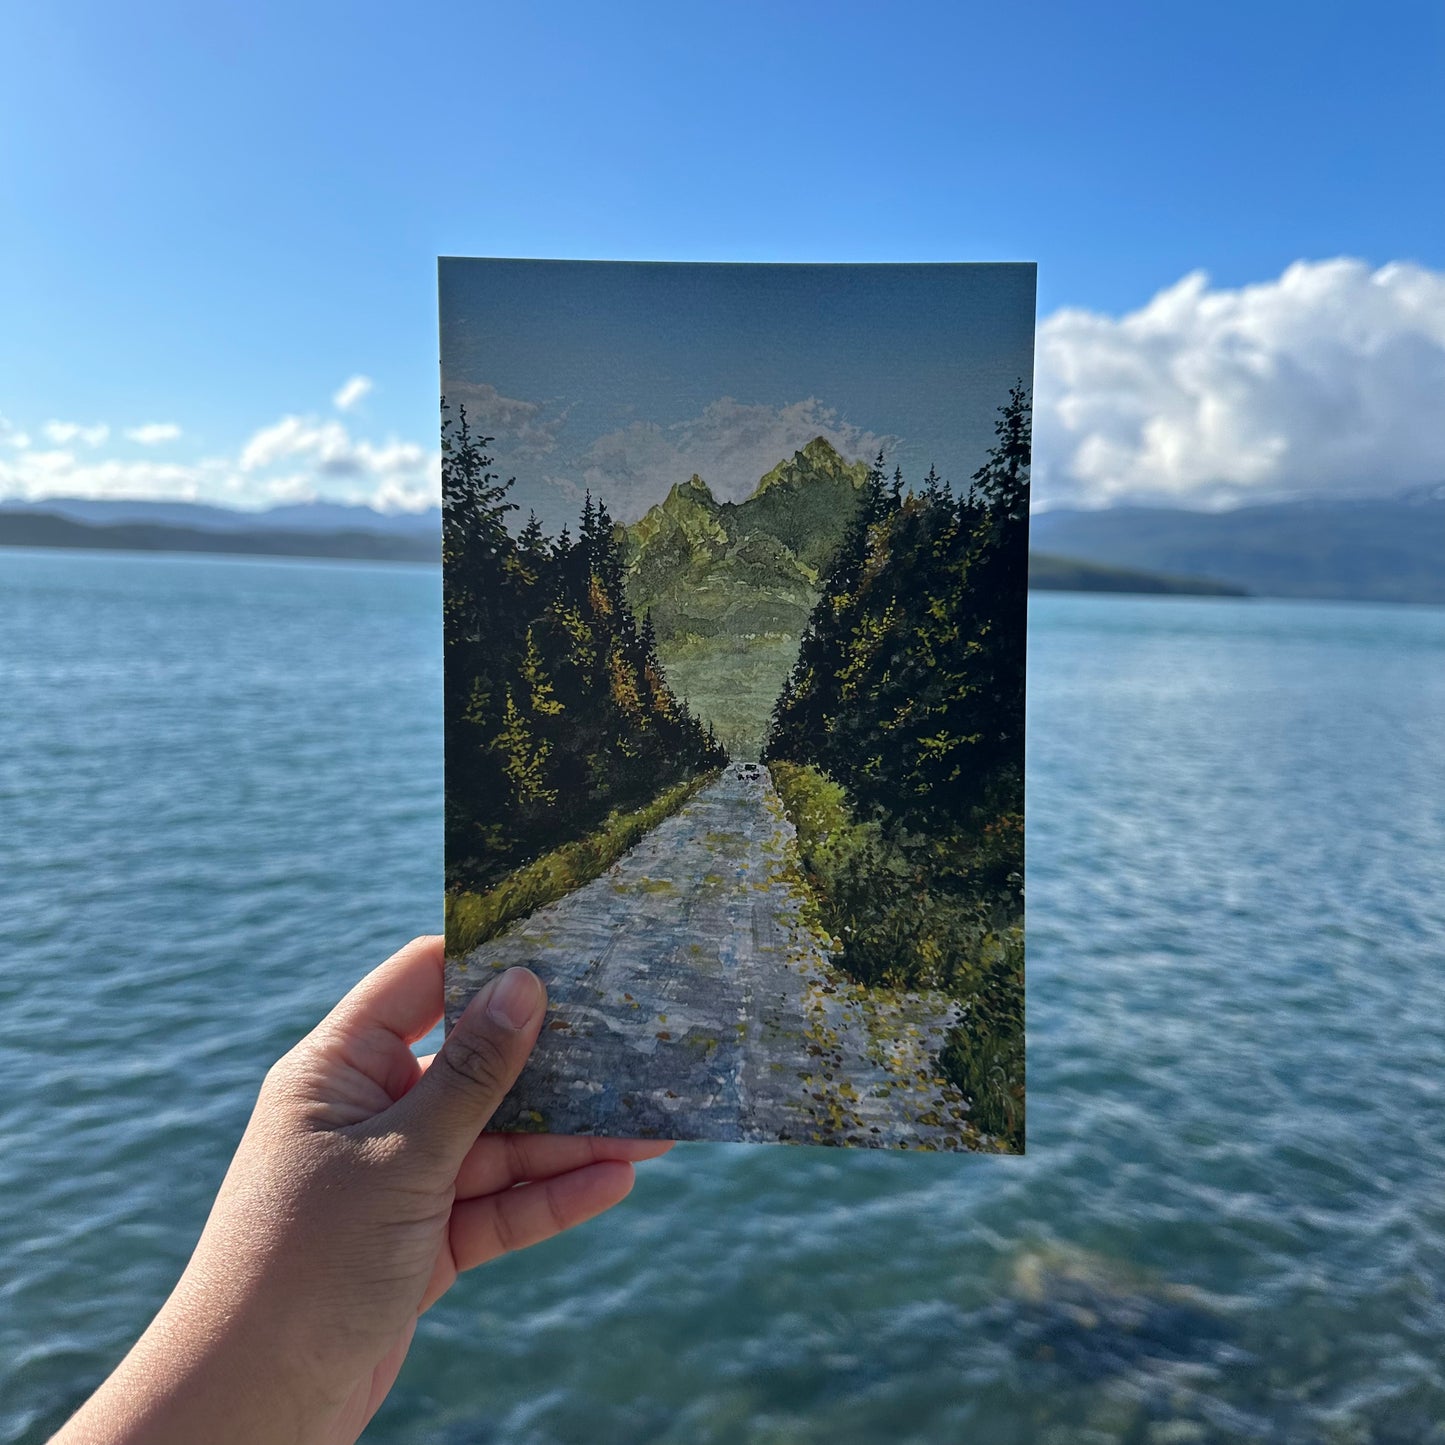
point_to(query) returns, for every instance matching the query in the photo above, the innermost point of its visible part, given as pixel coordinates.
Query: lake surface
(220, 784)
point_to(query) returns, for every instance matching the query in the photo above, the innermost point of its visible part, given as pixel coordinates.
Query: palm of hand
(363, 1186)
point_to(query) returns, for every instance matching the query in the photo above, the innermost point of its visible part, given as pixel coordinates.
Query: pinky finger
(513, 1219)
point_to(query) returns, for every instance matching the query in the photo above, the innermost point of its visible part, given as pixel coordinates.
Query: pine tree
(909, 683)
(533, 553)
(524, 757)
(558, 707)
(1003, 480)
(541, 696)
(481, 612)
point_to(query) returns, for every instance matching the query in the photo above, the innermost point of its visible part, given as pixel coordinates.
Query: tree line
(909, 683)
(899, 739)
(557, 708)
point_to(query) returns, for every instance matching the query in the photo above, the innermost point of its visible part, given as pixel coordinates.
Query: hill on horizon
(49, 530)
(1389, 549)
(317, 516)
(1066, 574)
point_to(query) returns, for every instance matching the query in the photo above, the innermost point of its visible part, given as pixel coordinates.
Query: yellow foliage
(524, 757)
(623, 682)
(541, 697)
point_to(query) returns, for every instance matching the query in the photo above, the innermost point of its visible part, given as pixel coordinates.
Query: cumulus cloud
(329, 450)
(1325, 381)
(350, 392)
(520, 429)
(153, 433)
(62, 432)
(393, 475)
(36, 473)
(295, 459)
(729, 444)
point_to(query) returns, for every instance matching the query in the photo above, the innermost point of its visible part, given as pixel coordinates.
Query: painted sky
(626, 379)
(219, 224)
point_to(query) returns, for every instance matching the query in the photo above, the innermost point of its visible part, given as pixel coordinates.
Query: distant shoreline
(43, 531)
(50, 531)
(1389, 549)
(1067, 574)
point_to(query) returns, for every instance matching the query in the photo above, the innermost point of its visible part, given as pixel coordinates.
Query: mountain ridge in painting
(730, 585)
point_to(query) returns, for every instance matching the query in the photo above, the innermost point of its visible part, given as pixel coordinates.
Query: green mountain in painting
(730, 585)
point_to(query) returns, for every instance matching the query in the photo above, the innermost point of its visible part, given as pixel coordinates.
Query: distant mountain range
(44, 529)
(291, 517)
(1064, 574)
(708, 567)
(729, 585)
(705, 568)
(1380, 550)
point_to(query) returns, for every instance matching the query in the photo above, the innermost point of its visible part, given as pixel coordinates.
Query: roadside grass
(906, 918)
(473, 918)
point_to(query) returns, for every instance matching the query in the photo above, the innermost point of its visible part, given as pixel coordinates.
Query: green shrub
(984, 1055)
(919, 912)
(816, 804)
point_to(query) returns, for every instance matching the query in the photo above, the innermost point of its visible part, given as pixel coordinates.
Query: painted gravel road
(691, 998)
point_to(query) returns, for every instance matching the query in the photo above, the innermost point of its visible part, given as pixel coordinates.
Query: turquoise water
(220, 784)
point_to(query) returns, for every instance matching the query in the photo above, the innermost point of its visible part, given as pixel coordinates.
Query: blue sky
(625, 378)
(214, 216)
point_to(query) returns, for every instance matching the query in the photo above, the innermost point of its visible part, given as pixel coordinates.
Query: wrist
(205, 1373)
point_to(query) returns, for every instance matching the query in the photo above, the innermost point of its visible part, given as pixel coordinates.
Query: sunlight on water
(220, 781)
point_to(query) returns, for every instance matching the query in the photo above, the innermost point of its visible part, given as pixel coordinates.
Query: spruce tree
(557, 705)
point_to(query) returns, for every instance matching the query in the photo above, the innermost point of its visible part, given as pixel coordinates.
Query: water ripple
(221, 786)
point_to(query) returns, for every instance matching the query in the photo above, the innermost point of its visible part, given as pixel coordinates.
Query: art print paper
(735, 578)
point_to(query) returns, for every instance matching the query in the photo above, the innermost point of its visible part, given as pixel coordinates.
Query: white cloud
(519, 428)
(296, 459)
(351, 392)
(730, 445)
(61, 432)
(1326, 381)
(329, 449)
(60, 473)
(153, 433)
(1323, 381)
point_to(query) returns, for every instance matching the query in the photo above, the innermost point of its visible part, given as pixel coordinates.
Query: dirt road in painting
(690, 998)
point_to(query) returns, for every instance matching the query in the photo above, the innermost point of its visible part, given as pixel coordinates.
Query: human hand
(360, 1190)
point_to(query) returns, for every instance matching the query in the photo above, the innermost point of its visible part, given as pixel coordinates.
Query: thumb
(476, 1065)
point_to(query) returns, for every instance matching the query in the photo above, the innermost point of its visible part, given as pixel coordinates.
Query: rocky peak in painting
(706, 568)
(693, 492)
(729, 585)
(684, 524)
(817, 462)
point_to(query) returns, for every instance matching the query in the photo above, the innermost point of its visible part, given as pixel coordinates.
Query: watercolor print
(735, 570)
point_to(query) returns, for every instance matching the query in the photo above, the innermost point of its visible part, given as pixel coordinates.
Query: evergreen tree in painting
(479, 606)
(908, 687)
(557, 710)
(907, 700)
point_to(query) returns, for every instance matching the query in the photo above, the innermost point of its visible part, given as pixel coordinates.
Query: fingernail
(514, 998)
